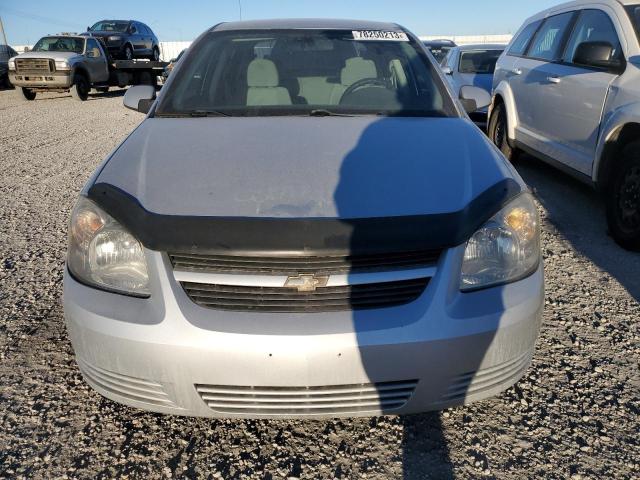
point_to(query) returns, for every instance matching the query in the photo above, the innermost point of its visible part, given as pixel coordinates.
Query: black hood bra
(304, 236)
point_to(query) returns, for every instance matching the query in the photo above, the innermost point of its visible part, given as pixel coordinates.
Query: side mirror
(598, 55)
(140, 98)
(474, 98)
(88, 29)
(447, 70)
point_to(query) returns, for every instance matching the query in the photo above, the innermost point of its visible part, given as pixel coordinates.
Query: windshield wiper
(207, 113)
(327, 113)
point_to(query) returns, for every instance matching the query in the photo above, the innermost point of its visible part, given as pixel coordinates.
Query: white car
(567, 90)
(305, 224)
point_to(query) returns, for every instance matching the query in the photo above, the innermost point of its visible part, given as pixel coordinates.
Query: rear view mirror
(140, 98)
(474, 98)
(598, 55)
(447, 70)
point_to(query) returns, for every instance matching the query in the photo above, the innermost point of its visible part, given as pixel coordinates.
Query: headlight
(62, 65)
(103, 254)
(506, 249)
(12, 64)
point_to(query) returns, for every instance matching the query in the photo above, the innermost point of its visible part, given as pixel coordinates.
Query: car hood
(53, 55)
(482, 80)
(304, 167)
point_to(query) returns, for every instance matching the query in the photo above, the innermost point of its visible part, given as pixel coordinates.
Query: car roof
(482, 46)
(307, 23)
(439, 42)
(578, 4)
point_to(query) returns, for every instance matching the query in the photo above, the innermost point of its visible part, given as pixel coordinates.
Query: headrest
(262, 73)
(357, 69)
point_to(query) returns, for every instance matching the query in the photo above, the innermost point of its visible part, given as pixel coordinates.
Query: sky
(25, 21)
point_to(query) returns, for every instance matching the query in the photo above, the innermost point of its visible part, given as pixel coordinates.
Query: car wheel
(80, 88)
(28, 94)
(128, 52)
(498, 132)
(623, 200)
(155, 56)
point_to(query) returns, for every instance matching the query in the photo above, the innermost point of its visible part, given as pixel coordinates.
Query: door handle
(516, 71)
(553, 80)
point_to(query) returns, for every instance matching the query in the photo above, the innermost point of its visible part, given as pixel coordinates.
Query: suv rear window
(304, 72)
(520, 44)
(634, 13)
(479, 61)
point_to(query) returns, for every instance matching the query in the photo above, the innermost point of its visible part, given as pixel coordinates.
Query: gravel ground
(574, 415)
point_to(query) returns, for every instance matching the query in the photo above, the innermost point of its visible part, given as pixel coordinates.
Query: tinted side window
(592, 26)
(92, 44)
(521, 43)
(547, 42)
(143, 29)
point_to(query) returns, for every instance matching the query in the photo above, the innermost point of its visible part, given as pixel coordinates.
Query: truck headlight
(12, 64)
(62, 65)
(103, 254)
(506, 249)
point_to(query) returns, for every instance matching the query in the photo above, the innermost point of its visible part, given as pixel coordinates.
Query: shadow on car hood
(304, 167)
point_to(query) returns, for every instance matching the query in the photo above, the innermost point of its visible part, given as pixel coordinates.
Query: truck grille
(301, 401)
(291, 265)
(323, 299)
(35, 65)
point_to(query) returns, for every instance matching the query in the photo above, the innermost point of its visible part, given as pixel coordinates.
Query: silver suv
(567, 90)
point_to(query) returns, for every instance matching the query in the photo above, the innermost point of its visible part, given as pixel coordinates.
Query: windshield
(305, 72)
(634, 13)
(59, 44)
(110, 26)
(479, 61)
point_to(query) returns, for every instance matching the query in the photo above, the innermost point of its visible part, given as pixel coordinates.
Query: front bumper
(168, 355)
(57, 80)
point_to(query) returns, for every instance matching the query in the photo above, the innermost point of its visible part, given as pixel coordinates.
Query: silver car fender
(504, 91)
(611, 127)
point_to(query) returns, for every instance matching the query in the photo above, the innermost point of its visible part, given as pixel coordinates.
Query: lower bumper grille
(324, 299)
(474, 383)
(300, 401)
(131, 388)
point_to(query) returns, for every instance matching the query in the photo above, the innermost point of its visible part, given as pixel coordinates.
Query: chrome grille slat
(322, 400)
(294, 265)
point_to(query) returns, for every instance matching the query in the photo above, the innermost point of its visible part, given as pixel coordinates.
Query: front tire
(128, 52)
(155, 55)
(499, 132)
(28, 94)
(623, 200)
(80, 88)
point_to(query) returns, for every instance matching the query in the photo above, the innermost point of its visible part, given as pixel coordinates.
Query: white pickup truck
(76, 63)
(567, 90)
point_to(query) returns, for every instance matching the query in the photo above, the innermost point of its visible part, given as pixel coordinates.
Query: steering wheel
(365, 82)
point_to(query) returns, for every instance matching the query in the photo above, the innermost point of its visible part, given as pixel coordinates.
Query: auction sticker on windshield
(380, 35)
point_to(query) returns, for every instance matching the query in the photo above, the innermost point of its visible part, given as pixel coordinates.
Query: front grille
(323, 299)
(301, 401)
(35, 65)
(291, 265)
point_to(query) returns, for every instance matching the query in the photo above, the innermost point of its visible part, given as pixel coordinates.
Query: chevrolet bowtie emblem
(306, 283)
